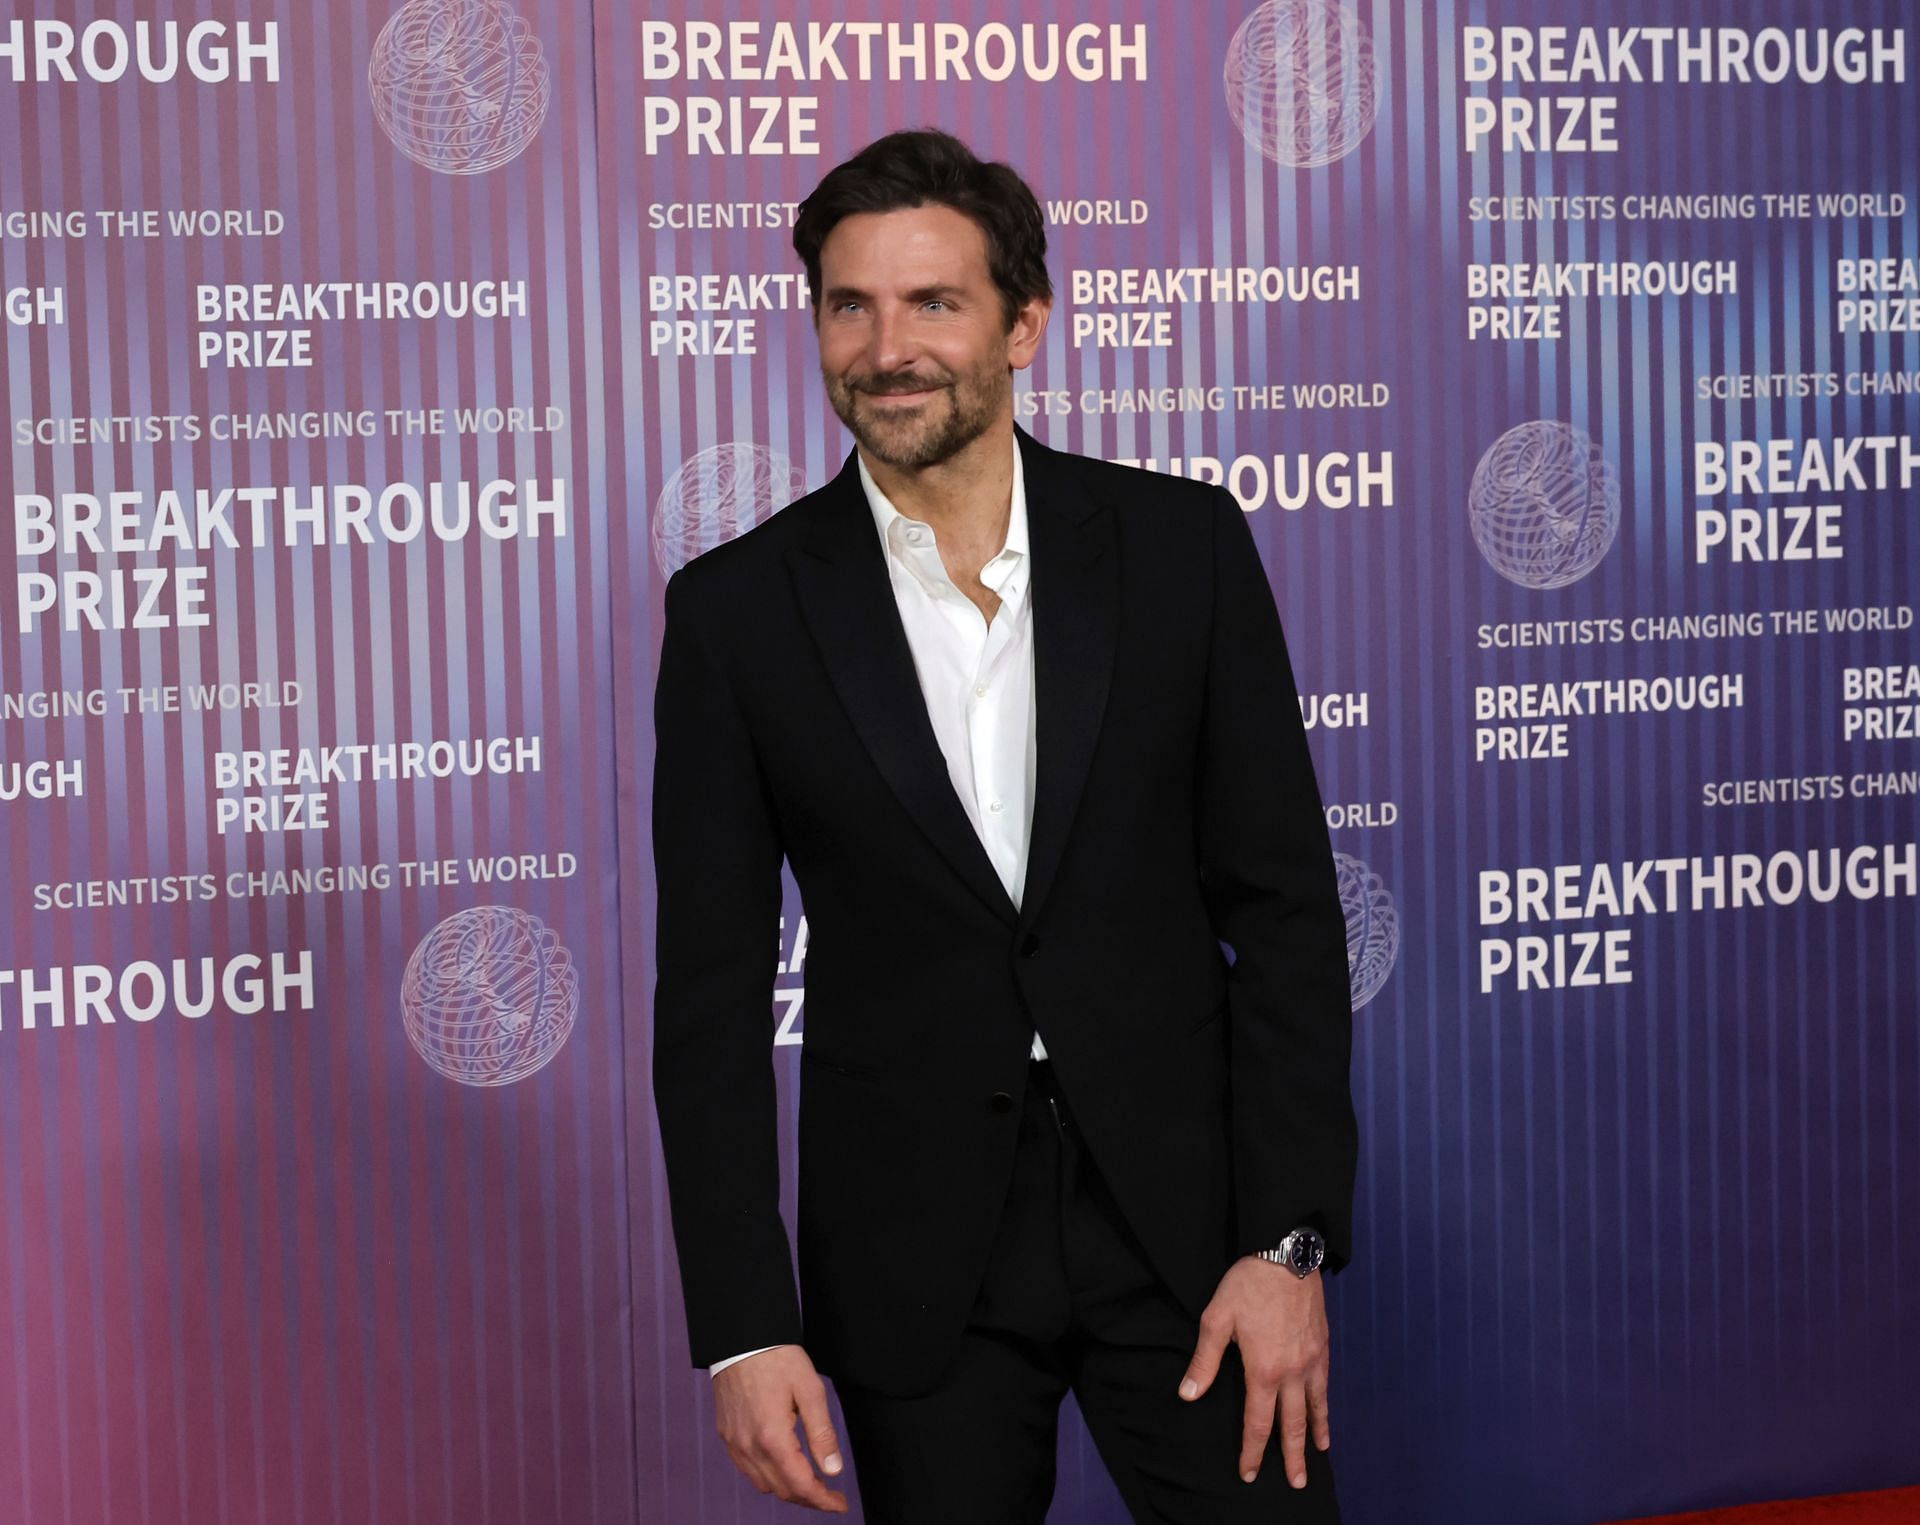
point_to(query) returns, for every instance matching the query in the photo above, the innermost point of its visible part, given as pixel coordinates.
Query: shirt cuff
(720, 1366)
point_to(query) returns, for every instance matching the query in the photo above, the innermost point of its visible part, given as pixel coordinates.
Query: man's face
(914, 342)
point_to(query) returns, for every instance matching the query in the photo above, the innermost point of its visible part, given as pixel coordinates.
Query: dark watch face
(1306, 1254)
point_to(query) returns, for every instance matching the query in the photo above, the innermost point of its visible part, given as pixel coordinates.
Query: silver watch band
(1301, 1252)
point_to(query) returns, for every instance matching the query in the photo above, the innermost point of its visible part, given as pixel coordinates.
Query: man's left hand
(1279, 1321)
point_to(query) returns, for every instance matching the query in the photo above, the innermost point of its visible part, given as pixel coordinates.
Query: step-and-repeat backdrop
(370, 367)
(313, 1145)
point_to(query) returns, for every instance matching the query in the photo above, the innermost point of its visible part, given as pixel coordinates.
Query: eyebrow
(919, 294)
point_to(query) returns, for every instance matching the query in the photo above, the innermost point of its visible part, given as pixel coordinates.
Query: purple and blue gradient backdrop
(1620, 1250)
(274, 1267)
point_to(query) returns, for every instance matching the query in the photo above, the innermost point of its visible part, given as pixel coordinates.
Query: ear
(1029, 327)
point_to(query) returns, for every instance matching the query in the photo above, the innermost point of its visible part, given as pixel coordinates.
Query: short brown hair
(928, 167)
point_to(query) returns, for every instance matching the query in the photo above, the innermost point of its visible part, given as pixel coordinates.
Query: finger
(822, 1443)
(1255, 1426)
(750, 1468)
(1317, 1409)
(1214, 1333)
(794, 1477)
(741, 1450)
(1293, 1431)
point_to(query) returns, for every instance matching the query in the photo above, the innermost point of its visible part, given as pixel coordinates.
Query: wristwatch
(1300, 1252)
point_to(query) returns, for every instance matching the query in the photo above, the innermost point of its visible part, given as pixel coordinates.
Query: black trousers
(1069, 1303)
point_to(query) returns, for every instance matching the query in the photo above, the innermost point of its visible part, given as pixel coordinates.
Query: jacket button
(1002, 1102)
(1030, 946)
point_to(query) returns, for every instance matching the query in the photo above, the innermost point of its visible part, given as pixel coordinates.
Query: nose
(890, 345)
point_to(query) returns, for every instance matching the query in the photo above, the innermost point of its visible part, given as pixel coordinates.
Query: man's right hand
(756, 1403)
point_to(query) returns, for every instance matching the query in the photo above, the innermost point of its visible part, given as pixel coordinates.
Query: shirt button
(980, 690)
(995, 806)
(913, 537)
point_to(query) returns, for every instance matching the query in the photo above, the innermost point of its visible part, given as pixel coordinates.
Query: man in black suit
(1023, 725)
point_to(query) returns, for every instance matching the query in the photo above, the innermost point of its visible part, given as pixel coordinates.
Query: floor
(1901, 1506)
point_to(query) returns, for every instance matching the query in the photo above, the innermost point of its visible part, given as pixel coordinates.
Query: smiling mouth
(895, 393)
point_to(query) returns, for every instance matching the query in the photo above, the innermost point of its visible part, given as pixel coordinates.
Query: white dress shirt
(976, 677)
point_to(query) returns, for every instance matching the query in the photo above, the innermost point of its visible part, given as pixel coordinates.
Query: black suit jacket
(1175, 809)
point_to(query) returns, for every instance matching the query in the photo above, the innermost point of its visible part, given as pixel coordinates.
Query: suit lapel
(1075, 604)
(846, 598)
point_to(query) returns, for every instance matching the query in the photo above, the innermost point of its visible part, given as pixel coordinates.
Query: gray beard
(910, 449)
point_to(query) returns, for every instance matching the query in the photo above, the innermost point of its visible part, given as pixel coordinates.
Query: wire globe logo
(489, 996)
(1300, 81)
(1373, 927)
(722, 492)
(1544, 505)
(460, 86)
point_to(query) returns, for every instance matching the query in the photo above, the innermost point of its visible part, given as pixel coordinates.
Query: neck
(971, 489)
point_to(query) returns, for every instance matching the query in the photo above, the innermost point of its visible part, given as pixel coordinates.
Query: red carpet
(1901, 1506)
